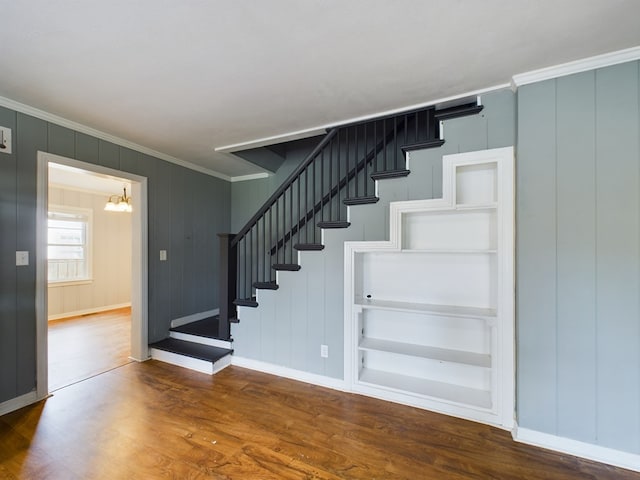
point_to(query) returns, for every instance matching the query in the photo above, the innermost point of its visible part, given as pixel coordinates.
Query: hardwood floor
(153, 420)
(83, 346)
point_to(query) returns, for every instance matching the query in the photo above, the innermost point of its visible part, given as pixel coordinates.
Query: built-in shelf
(425, 351)
(430, 313)
(429, 388)
(445, 251)
(425, 308)
(476, 206)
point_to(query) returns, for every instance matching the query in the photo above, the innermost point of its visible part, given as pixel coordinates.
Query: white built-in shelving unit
(429, 314)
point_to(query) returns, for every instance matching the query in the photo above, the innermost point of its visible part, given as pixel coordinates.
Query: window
(68, 247)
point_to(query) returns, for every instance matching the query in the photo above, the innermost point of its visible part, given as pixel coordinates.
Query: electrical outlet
(5, 140)
(163, 255)
(324, 351)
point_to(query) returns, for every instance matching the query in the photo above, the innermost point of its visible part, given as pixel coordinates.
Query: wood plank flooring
(153, 420)
(83, 346)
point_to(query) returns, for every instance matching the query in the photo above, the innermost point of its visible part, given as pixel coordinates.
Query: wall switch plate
(5, 140)
(324, 351)
(163, 255)
(22, 259)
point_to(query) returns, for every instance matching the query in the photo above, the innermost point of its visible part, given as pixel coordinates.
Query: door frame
(139, 266)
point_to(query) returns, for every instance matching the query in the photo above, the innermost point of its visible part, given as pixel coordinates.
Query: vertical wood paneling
(31, 137)
(189, 259)
(87, 148)
(500, 110)
(576, 257)
(62, 141)
(178, 244)
(109, 154)
(17, 227)
(8, 270)
(160, 274)
(617, 292)
(536, 262)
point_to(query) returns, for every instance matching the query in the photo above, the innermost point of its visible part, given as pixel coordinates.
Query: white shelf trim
(443, 310)
(441, 354)
(465, 251)
(429, 388)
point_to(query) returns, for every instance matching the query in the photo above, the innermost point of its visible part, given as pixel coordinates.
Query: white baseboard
(178, 322)
(88, 311)
(315, 379)
(18, 402)
(589, 451)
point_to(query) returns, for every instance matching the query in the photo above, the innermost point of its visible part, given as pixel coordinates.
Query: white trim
(42, 289)
(253, 176)
(88, 311)
(194, 317)
(261, 142)
(185, 361)
(139, 270)
(291, 373)
(78, 127)
(577, 66)
(284, 137)
(589, 451)
(212, 342)
(19, 402)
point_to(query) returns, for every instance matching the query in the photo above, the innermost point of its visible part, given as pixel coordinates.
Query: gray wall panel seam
(595, 257)
(556, 322)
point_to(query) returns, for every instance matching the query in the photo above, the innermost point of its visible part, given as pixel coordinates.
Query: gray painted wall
(578, 257)
(186, 211)
(291, 323)
(247, 197)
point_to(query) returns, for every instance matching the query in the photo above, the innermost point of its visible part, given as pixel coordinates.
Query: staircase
(195, 346)
(341, 171)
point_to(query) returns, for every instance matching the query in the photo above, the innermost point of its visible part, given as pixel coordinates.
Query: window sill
(70, 283)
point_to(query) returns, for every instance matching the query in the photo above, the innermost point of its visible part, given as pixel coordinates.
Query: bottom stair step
(195, 356)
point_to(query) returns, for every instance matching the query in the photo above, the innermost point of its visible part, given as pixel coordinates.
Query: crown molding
(253, 176)
(78, 127)
(576, 66)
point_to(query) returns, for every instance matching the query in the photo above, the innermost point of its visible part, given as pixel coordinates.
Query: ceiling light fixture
(117, 203)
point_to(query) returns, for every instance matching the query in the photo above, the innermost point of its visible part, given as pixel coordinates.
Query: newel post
(228, 269)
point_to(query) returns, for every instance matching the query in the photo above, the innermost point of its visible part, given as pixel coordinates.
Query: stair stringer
(308, 321)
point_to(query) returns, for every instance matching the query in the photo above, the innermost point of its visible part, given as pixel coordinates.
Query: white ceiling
(184, 77)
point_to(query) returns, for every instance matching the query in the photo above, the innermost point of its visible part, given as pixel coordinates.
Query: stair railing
(340, 171)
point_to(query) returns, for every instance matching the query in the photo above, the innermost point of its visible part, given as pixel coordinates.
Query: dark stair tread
(360, 200)
(458, 111)
(309, 246)
(333, 224)
(207, 327)
(287, 267)
(390, 174)
(191, 349)
(422, 145)
(246, 302)
(266, 285)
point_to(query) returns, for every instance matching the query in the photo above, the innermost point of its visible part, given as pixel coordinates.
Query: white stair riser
(202, 366)
(214, 342)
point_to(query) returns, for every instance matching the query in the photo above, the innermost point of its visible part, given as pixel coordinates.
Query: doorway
(134, 315)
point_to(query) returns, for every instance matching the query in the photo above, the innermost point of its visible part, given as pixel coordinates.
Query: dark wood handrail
(285, 185)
